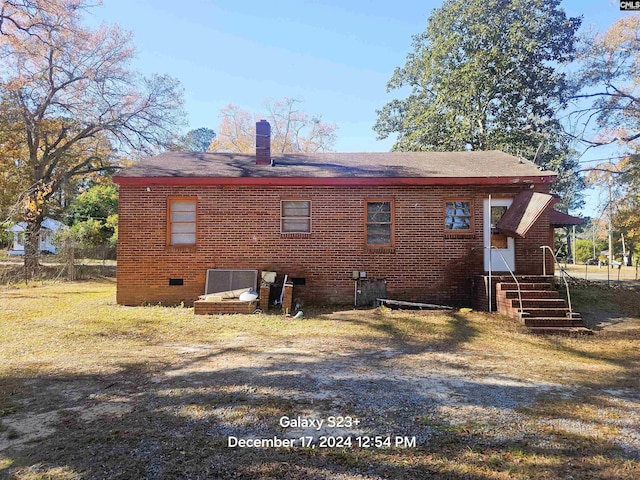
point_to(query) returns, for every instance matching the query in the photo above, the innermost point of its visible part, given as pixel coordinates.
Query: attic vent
(225, 280)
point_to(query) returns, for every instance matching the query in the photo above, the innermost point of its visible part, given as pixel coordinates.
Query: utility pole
(593, 238)
(610, 215)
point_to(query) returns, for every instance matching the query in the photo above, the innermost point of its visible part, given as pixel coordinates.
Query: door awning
(523, 213)
(561, 219)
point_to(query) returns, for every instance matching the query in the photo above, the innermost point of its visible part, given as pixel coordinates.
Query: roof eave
(333, 181)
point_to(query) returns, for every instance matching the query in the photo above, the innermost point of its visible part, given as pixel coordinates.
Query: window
(181, 221)
(379, 223)
(498, 239)
(458, 215)
(295, 216)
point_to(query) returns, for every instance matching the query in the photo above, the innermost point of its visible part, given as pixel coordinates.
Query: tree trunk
(630, 255)
(567, 232)
(32, 246)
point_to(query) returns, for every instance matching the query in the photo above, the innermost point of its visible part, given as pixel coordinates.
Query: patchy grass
(616, 300)
(52, 268)
(91, 389)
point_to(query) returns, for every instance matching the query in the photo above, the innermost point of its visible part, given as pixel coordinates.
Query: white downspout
(490, 283)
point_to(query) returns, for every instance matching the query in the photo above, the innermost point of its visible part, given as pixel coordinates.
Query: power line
(594, 160)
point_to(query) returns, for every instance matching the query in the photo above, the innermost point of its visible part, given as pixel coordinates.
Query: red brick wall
(239, 227)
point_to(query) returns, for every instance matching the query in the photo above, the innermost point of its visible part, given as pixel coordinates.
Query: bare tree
(72, 101)
(609, 100)
(295, 131)
(292, 130)
(32, 17)
(608, 113)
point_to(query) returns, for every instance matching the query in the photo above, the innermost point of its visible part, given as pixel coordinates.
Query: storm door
(501, 256)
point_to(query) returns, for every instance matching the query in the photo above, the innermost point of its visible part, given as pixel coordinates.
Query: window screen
(182, 222)
(379, 223)
(296, 216)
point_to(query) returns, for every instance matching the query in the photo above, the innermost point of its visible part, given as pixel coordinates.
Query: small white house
(49, 228)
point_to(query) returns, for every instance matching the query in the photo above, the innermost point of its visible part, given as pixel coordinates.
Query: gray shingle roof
(337, 165)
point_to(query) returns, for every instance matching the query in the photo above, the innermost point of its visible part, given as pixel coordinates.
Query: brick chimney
(263, 143)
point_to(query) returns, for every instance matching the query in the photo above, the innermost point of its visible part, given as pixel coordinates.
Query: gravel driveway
(396, 409)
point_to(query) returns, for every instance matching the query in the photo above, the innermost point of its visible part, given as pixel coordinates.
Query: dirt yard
(90, 389)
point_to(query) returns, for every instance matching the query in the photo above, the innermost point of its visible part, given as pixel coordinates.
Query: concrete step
(529, 294)
(552, 322)
(569, 331)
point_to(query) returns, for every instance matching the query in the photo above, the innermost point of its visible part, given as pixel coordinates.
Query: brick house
(421, 221)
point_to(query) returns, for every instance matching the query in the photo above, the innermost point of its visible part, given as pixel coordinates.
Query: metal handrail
(563, 273)
(512, 275)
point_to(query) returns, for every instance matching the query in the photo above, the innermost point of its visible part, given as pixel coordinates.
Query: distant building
(49, 228)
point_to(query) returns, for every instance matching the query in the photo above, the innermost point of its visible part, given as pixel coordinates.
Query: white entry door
(502, 253)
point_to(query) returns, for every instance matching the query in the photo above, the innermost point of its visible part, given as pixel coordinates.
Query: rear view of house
(426, 224)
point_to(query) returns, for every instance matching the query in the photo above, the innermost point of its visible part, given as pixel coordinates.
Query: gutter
(332, 181)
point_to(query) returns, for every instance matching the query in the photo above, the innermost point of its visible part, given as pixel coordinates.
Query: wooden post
(287, 299)
(70, 261)
(573, 244)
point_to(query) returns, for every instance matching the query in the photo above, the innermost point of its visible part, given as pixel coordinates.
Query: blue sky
(335, 55)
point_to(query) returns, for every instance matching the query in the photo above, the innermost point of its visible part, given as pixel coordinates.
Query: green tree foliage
(484, 75)
(97, 202)
(93, 216)
(197, 140)
(96, 233)
(569, 183)
(89, 233)
(584, 249)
